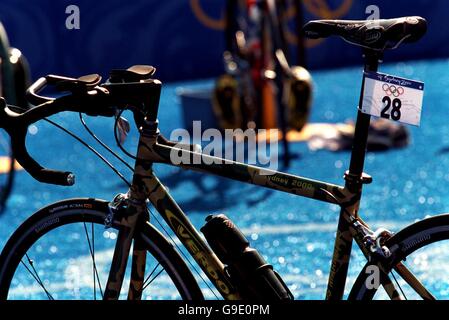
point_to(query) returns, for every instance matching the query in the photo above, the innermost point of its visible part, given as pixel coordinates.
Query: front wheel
(64, 252)
(417, 266)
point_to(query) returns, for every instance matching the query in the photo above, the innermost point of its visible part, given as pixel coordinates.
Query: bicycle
(14, 82)
(236, 270)
(260, 87)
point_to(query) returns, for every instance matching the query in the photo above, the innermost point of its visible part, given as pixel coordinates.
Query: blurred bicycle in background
(260, 88)
(15, 79)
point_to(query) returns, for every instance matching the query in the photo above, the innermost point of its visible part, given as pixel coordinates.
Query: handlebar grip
(60, 178)
(32, 91)
(35, 169)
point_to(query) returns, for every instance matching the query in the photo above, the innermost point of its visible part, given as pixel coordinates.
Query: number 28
(395, 111)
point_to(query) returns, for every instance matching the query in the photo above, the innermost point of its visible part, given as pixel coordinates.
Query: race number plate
(392, 98)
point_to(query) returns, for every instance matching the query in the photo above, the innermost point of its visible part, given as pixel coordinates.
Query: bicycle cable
(347, 212)
(92, 149)
(338, 203)
(85, 144)
(183, 254)
(104, 145)
(117, 140)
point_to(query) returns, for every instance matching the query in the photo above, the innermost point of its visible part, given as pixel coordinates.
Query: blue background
(168, 35)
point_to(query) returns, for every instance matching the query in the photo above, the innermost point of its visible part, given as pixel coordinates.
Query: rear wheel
(64, 252)
(423, 248)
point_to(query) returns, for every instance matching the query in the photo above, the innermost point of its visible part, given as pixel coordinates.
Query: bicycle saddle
(83, 83)
(132, 74)
(372, 34)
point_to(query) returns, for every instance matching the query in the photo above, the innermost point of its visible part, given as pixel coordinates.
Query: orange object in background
(269, 116)
(5, 164)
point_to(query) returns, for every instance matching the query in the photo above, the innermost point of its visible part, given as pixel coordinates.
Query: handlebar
(32, 95)
(17, 128)
(85, 96)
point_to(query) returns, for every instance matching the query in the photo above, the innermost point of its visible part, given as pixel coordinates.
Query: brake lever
(84, 83)
(16, 125)
(17, 128)
(132, 74)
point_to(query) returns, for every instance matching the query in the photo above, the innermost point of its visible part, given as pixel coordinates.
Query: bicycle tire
(404, 247)
(71, 211)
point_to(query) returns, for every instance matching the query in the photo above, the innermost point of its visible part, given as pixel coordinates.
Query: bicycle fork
(133, 217)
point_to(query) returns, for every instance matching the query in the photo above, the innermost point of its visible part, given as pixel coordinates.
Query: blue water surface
(294, 234)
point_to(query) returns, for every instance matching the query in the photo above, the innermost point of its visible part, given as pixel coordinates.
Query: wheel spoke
(147, 281)
(65, 271)
(400, 288)
(413, 282)
(94, 265)
(35, 275)
(149, 276)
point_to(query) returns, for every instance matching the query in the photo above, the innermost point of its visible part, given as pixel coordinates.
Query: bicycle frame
(146, 185)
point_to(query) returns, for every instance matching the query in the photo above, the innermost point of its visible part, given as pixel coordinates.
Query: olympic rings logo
(318, 8)
(205, 19)
(392, 90)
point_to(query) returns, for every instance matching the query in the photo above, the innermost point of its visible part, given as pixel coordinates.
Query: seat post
(354, 183)
(359, 146)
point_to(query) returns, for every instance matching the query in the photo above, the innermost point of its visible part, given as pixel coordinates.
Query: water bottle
(249, 272)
